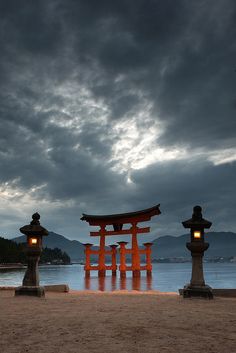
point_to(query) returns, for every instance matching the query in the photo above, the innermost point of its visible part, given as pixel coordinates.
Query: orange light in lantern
(197, 234)
(33, 241)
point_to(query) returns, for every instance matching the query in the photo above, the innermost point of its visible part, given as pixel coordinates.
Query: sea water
(165, 277)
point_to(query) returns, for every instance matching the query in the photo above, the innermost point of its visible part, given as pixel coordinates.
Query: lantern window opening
(197, 234)
(33, 241)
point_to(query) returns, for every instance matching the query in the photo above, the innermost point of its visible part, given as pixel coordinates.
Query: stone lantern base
(33, 291)
(197, 291)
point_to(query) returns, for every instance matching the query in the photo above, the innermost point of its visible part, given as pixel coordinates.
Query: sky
(116, 106)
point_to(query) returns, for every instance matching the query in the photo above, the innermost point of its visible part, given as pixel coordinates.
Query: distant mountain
(170, 246)
(73, 248)
(222, 244)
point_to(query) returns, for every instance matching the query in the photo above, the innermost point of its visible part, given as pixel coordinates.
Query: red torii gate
(117, 221)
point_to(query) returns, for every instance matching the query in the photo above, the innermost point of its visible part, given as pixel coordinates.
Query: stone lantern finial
(197, 213)
(35, 219)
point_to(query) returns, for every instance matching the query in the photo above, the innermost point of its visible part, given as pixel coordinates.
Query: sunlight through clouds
(137, 145)
(223, 156)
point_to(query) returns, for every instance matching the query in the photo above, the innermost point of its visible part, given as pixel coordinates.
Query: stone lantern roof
(197, 221)
(34, 228)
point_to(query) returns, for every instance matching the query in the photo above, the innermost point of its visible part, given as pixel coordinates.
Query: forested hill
(73, 248)
(11, 252)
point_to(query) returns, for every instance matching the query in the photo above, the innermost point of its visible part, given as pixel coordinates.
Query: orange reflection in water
(116, 283)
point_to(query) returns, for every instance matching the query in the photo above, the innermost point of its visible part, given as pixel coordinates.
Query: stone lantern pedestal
(30, 285)
(197, 286)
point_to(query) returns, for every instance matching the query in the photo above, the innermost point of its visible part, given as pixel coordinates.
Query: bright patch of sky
(223, 156)
(137, 145)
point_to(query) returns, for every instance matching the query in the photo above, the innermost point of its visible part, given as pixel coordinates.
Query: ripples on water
(166, 277)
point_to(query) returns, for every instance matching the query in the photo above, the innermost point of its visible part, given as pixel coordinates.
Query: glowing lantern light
(33, 241)
(197, 234)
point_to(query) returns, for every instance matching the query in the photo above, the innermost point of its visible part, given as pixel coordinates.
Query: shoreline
(64, 288)
(12, 267)
(84, 291)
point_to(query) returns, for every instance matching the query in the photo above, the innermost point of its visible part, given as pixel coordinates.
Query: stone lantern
(34, 233)
(197, 246)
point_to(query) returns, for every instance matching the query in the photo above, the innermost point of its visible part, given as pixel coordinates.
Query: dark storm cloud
(179, 184)
(179, 56)
(70, 70)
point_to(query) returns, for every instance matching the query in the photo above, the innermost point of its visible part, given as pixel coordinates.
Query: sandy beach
(127, 322)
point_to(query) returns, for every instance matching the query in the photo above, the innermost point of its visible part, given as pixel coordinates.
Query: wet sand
(127, 322)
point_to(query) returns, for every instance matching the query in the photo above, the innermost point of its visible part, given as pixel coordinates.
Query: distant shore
(22, 266)
(128, 322)
(12, 266)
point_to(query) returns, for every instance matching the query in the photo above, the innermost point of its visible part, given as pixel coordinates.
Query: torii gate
(117, 221)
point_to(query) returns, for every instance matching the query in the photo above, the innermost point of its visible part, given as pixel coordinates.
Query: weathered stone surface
(195, 291)
(31, 277)
(224, 292)
(60, 288)
(63, 288)
(219, 292)
(35, 291)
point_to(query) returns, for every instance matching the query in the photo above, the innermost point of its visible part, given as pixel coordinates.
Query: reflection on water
(165, 277)
(116, 283)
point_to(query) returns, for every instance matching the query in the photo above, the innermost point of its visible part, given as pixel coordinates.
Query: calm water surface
(166, 277)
